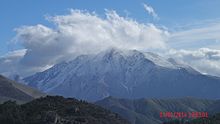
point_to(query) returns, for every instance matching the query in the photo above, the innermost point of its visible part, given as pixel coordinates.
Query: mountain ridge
(11, 90)
(125, 74)
(142, 111)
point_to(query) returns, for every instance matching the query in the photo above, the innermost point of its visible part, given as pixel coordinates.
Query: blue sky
(187, 30)
(172, 13)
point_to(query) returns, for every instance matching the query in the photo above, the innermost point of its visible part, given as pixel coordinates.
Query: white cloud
(81, 32)
(10, 64)
(204, 60)
(150, 11)
(206, 34)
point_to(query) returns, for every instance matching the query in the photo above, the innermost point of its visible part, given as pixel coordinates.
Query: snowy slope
(126, 74)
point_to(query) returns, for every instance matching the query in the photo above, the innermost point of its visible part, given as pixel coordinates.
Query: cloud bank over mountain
(204, 60)
(83, 32)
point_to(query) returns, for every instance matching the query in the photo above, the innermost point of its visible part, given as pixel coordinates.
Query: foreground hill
(124, 74)
(11, 90)
(147, 111)
(56, 110)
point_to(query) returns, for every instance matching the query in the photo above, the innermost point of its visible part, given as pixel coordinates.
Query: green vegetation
(56, 110)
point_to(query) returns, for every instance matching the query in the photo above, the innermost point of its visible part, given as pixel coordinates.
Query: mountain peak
(112, 50)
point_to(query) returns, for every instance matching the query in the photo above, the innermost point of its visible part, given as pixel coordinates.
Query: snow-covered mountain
(125, 74)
